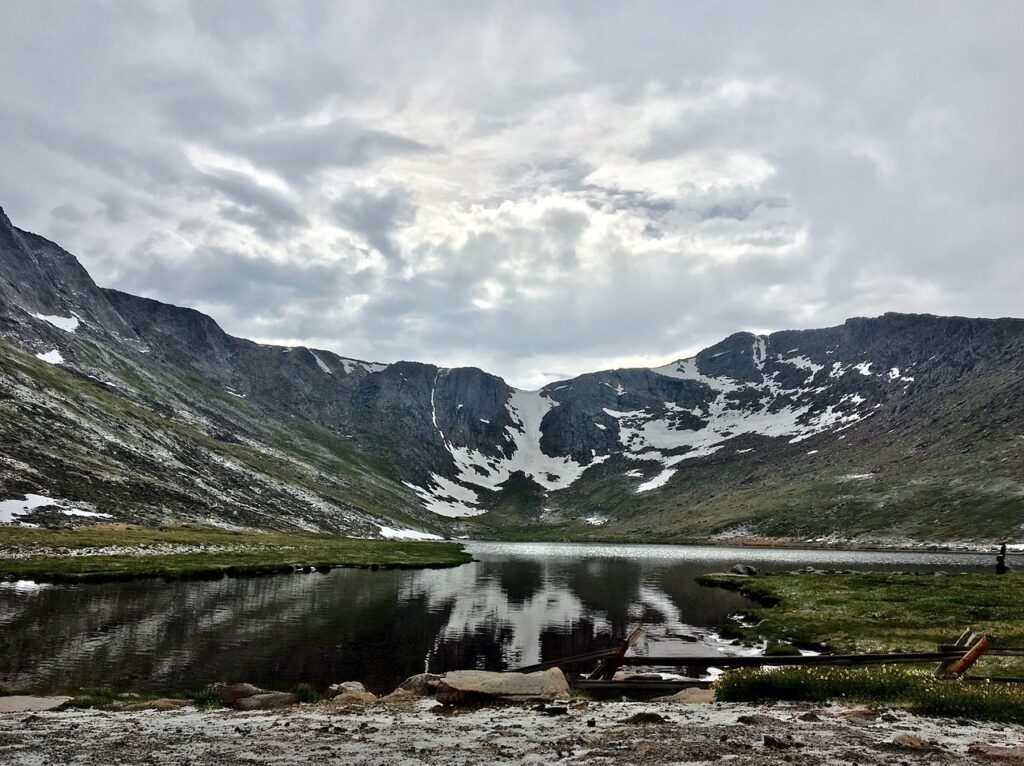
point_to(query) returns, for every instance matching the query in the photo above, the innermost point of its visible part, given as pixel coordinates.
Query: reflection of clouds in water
(477, 602)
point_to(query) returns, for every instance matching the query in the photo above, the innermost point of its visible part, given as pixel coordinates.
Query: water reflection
(517, 604)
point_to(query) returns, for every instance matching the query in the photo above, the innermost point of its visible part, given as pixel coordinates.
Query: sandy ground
(424, 732)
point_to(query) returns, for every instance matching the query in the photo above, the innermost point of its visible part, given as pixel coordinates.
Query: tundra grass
(884, 612)
(886, 686)
(188, 552)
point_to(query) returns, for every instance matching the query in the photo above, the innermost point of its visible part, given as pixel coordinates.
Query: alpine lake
(516, 604)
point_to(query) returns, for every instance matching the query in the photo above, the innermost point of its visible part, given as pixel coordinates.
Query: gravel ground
(423, 732)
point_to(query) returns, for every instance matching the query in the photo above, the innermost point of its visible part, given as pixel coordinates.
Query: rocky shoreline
(412, 730)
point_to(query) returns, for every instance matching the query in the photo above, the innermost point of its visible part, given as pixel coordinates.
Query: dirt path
(424, 732)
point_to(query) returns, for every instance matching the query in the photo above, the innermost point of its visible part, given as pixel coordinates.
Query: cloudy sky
(537, 189)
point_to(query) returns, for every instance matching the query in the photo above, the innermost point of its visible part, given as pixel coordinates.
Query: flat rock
(912, 742)
(758, 719)
(463, 687)
(163, 705)
(999, 753)
(232, 693)
(267, 701)
(29, 704)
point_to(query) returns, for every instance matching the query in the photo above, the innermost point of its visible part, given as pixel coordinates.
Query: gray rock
(423, 684)
(744, 569)
(267, 701)
(350, 693)
(232, 693)
(463, 687)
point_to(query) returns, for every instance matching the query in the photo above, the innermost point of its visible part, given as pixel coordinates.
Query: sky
(535, 189)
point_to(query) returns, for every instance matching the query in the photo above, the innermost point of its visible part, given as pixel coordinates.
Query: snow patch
(407, 534)
(67, 324)
(321, 363)
(658, 481)
(11, 510)
(51, 357)
(864, 368)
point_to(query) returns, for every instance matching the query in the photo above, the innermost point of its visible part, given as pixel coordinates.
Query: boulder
(19, 703)
(466, 687)
(350, 693)
(231, 694)
(422, 684)
(744, 569)
(999, 753)
(267, 701)
(690, 697)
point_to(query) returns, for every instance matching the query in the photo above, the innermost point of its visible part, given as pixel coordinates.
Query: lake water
(519, 603)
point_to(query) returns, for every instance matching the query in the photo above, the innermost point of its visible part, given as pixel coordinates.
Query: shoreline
(423, 731)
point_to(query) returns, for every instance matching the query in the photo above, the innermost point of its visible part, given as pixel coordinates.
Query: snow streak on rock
(526, 410)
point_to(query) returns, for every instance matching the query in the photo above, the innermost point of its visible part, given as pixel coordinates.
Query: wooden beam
(961, 643)
(965, 663)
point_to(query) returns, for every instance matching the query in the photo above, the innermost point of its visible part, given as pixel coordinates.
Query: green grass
(251, 553)
(887, 685)
(874, 611)
(884, 612)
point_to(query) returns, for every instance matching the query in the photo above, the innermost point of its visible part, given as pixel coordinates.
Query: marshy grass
(885, 686)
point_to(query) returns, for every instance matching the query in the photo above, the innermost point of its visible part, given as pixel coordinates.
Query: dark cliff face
(167, 416)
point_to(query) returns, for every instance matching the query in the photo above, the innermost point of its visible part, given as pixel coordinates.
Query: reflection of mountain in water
(378, 627)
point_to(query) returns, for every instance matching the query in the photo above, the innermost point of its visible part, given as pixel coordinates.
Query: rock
(351, 693)
(267, 701)
(28, 704)
(644, 719)
(1001, 753)
(164, 705)
(859, 713)
(757, 719)
(231, 694)
(744, 569)
(400, 697)
(462, 687)
(690, 697)
(423, 684)
(354, 698)
(346, 687)
(912, 742)
(780, 743)
(810, 716)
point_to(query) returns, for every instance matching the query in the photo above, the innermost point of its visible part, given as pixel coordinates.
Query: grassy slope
(249, 553)
(306, 456)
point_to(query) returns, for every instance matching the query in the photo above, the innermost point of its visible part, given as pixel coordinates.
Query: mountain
(892, 428)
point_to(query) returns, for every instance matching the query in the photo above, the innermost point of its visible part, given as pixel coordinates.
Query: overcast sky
(537, 189)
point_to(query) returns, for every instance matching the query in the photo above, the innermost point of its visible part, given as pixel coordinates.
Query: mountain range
(116, 407)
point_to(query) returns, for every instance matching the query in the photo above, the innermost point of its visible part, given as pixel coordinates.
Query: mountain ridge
(352, 446)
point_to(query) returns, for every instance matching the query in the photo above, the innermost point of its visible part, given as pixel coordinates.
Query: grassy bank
(115, 552)
(880, 611)
(887, 685)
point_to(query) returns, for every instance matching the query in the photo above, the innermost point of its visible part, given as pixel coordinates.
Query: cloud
(534, 189)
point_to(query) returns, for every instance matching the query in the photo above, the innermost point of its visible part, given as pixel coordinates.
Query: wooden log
(974, 654)
(964, 641)
(607, 669)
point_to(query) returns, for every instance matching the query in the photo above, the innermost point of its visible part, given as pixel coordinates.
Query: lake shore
(426, 732)
(121, 552)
